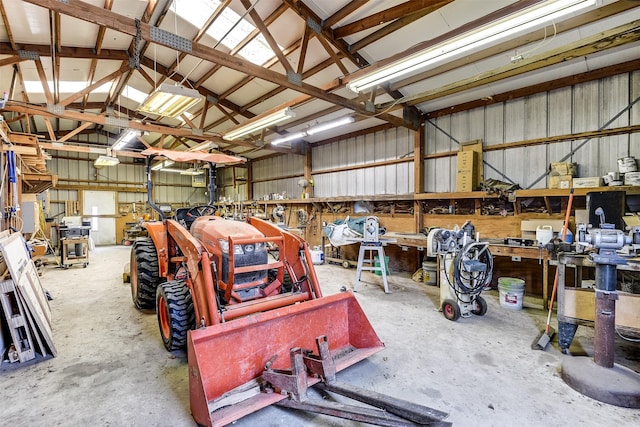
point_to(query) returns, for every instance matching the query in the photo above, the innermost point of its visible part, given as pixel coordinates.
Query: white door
(95, 205)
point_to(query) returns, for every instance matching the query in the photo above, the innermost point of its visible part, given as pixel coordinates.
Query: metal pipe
(150, 189)
(605, 327)
(211, 186)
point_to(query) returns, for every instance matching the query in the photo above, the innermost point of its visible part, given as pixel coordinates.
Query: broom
(541, 341)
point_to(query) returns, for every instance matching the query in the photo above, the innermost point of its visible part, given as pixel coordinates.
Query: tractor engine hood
(211, 229)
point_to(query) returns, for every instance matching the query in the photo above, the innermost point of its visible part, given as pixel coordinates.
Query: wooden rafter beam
(11, 60)
(5, 21)
(203, 113)
(102, 120)
(201, 33)
(43, 79)
(385, 16)
(339, 15)
(396, 25)
(108, 4)
(332, 54)
(188, 121)
(264, 30)
(303, 49)
(52, 134)
(147, 77)
(76, 131)
(119, 85)
(255, 33)
(95, 85)
(99, 16)
(65, 52)
(308, 15)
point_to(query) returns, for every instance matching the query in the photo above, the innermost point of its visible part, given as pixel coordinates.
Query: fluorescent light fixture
(192, 171)
(321, 127)
(124, 138)
(290, 137)
(330, 125)
(174, 170)
(259, 123)
(163, 164)
(509, 26)
(169, 100)
(106, 161)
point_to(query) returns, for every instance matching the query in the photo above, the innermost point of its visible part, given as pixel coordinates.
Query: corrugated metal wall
(581, 108)
(230, 187)
(287, 171)
(77, 169)
(390, 144)
(584, 107)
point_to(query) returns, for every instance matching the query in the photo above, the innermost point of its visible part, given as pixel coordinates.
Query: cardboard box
(560, 181)
(563, 168)
(467, 161)
(587, 182)
(39, 249)
(466, 181)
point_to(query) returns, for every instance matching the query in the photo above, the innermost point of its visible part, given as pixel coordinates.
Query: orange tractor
(244, 299)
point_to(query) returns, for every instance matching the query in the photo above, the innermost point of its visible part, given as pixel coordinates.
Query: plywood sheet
(27, 281)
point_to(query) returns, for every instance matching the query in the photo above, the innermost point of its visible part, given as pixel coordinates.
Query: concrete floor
(112, 370)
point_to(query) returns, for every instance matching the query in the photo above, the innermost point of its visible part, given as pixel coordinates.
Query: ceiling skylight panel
(195, 11)
(229, 29)
(134, 94)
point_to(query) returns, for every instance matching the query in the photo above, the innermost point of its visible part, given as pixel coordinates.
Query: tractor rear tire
(144, 274)
(174, 309)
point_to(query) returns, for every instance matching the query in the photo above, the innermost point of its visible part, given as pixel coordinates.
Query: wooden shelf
(540, 192)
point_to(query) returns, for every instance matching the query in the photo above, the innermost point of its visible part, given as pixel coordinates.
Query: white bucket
(317, 256)
(430, 273)
(511, 292)
(627, 164)
(544, 234)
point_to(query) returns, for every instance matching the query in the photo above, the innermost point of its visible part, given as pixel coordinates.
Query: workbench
(74, 250)
(414, 240)
(576, 305)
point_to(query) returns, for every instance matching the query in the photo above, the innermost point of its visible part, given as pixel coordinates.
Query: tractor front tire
(174, 309)
(144, 274)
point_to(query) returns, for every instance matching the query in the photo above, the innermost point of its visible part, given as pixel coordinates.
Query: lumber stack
(25, 314)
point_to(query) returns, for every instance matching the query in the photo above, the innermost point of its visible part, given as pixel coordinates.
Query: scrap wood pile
(25, 314)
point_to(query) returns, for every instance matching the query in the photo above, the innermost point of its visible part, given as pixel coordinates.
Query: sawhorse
(382, 268)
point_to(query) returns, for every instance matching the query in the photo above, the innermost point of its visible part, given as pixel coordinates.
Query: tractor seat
(182, 218)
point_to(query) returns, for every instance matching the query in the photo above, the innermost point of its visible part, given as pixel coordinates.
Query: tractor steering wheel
(201, 210)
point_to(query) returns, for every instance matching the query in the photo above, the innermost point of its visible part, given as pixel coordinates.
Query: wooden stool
(382, 268)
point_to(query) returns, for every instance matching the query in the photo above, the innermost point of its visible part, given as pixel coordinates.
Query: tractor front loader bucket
(226, 360)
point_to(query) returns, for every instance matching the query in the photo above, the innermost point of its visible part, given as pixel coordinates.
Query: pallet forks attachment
(227, 360)
(388, 411)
